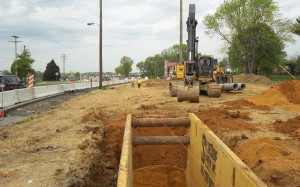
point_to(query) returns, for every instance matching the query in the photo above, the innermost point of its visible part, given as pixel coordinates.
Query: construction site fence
(13, 97)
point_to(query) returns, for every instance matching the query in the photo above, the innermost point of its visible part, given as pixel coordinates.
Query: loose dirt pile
(286, 94)
(275, 161)
(251, 78)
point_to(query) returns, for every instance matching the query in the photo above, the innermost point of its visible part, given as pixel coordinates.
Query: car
(105, 78)
(10, 82)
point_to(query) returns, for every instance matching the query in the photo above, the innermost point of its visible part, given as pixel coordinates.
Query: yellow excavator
(200, 73)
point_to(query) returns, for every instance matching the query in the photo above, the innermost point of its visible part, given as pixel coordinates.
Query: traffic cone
(2, 114)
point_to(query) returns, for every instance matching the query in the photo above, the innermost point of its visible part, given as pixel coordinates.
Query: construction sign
(30, 81)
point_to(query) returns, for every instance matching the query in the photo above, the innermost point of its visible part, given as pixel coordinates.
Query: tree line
(254, 34)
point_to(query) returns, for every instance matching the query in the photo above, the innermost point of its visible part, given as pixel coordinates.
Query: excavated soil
(160, 175)
(251, 78)
(78, 142)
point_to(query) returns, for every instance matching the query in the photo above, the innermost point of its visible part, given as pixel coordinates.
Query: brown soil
(244, 104)
(148, 155)
(290, 127)
(291, 90)
(286, 94)
(78, 142)
(159, 176)
(251, 78)
(275, 161)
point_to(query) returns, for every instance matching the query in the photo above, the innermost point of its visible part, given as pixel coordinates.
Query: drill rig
(196, 75)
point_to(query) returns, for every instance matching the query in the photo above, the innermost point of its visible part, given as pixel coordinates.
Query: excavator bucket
(185, 93)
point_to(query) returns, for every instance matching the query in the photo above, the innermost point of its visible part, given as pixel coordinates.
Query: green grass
(280, 78)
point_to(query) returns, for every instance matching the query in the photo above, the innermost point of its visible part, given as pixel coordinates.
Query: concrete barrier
(53, 89)
(26, 94)
(41, 91)
(12, 97)
(9, 98)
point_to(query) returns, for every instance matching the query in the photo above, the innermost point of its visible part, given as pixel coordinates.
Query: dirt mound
(156, 83)
(286, 94)
(147, 107)
(291, 127)
(291, 90)
(160, 176)
(221, 120)
(251, 78)
(243, 103)
(274, 161)
(94, 114)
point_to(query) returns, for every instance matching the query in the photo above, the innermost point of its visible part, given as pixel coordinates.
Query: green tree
(171, 54)
(268, 52)
(77, 74)
(39, 75)
(23, 64)
(296, 27)
(141, 67)
(125, 66)
(239, 24)
(50, 72)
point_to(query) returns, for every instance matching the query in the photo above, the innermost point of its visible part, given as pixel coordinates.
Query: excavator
(199, 74)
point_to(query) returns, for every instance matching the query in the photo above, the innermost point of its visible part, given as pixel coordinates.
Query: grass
(281, 78)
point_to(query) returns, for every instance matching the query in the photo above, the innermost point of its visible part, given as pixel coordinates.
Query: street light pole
(16, 54)
(100, 48)
(100, 45)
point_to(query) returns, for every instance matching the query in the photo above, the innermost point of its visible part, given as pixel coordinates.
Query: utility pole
(24, 47)
(64, 57)
(100, 48)
(180, 42)
(16, 42)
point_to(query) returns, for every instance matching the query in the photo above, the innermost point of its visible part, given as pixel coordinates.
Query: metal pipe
(241, 86)
(160, 140)
(160, 122)
(229, 86)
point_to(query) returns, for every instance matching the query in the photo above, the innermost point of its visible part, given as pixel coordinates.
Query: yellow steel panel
(211, 163)
(125, 178)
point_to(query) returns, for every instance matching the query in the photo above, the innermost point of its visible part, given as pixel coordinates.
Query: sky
(134, 28)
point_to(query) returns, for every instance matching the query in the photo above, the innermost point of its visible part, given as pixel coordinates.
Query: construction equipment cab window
(205, 65)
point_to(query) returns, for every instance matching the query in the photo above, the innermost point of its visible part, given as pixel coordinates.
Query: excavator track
(185, 93)
(213, 90)
(172, 90)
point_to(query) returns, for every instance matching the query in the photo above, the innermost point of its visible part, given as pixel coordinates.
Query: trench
(162, 165)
